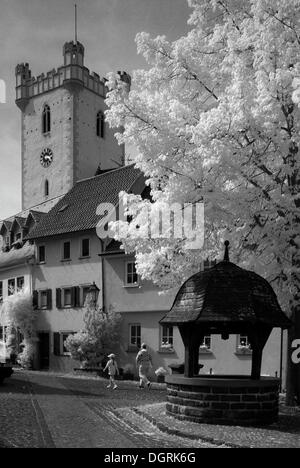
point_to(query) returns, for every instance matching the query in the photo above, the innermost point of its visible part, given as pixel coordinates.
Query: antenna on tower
(75, 23)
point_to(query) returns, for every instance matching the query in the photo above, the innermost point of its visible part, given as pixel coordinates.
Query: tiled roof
(20, 220)
(226, 293)
(37, 215)
(76, 211)
(6, 225)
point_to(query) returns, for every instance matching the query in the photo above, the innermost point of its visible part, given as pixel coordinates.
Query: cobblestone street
(44, 410)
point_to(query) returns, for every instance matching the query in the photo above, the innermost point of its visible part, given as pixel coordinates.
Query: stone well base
(234, 400)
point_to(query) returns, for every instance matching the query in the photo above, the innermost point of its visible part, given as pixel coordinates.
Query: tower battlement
(72, 72)
(30, 86)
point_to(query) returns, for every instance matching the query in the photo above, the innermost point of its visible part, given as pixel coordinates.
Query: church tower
(64, 134)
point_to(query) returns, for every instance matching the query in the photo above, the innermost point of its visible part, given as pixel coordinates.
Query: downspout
(281, 359)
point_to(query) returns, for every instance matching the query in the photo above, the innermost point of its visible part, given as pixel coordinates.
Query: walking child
(113, 370)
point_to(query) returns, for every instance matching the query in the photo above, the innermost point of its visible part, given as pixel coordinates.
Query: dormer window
(46, 119)
(100, 123)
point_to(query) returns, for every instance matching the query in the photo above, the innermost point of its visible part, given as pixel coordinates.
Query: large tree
(215, 118)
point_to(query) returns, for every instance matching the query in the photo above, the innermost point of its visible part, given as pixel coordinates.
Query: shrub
(101, 334)
(19, 314)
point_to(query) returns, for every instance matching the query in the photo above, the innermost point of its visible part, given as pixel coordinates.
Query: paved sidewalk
(284, 434)
(42, 409)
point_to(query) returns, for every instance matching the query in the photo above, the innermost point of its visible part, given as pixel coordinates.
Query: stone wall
(231, 401)
(59, 140)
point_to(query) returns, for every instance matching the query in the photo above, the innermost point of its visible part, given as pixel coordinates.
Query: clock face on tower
(46, 157)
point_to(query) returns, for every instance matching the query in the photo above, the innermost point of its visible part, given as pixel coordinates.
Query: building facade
(71, 164)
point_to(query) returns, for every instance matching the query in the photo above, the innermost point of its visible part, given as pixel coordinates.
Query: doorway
(44, 350)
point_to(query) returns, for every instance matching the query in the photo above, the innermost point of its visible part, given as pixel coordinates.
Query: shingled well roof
(226, 293)
(76, 211)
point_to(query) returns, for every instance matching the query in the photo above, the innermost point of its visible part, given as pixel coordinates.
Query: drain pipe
(281, 359)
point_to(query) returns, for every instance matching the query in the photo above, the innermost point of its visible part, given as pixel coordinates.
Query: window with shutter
(73, 296)
(44, 299)
(67, 297)
(35, 299)
(58, 298)
(49, 299)
(76, 296)
(56, 344)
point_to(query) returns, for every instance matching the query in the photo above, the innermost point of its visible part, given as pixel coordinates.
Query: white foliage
(216, 118)
(17, 311)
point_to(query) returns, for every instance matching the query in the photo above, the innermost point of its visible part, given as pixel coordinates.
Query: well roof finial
(226, 253)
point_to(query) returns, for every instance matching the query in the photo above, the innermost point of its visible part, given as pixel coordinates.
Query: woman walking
(113, 369)
(144, 364)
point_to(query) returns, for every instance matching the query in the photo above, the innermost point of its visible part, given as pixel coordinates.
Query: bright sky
(34, 31)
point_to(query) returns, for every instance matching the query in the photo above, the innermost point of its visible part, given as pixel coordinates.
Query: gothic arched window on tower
(46, 188)
(46, 120)
(100, 124)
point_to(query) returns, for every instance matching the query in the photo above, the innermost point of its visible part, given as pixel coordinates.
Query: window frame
(243, 349)
(46, 188)
(100, 124)
(166, 340)
(206, 345)
(81, 247)
(64, 305)
(43, 293)
(9, 292)
(62, 333)
(63, 258)
(46, 119)
(126, 283)
(247, 345)
(18, 281)
(137, 344)
(75, 297)
(41, 262)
